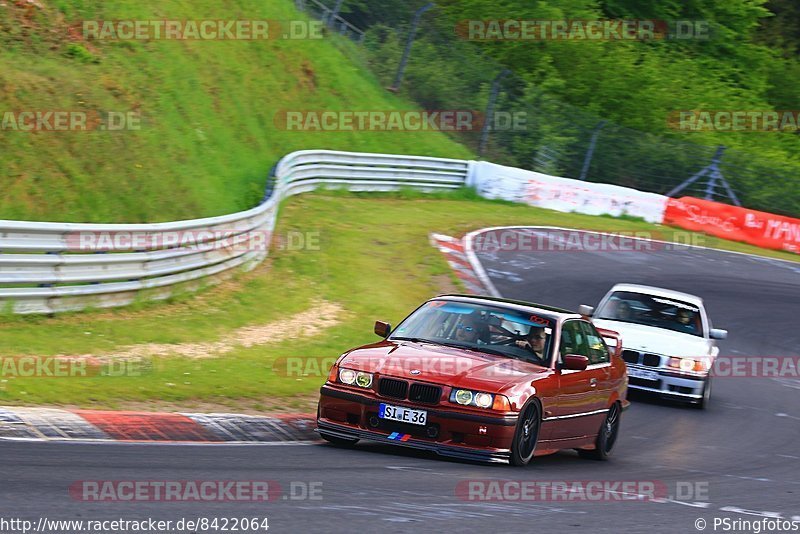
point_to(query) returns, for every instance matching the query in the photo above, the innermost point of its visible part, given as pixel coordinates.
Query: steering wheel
(506, 337)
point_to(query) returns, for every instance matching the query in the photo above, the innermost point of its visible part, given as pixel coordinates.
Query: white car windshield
(491, 329)
(652, 310)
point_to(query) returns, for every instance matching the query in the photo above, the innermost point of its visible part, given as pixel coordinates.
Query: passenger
(534, 341)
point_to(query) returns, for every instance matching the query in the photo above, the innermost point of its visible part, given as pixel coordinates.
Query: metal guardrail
(48, 267)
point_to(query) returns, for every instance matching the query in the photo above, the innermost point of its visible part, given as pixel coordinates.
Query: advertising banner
(565, 194)
(731, 222)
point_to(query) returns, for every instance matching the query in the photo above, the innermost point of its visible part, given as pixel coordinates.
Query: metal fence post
(702, 172)
(336, 10)
(402, 67)
(716, 176)
(490, 110)
(590, 151)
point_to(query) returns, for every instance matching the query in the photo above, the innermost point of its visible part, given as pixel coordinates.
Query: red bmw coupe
(481, 378)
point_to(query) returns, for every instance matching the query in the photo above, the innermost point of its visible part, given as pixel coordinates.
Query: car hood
(429, 362)
(657, 340)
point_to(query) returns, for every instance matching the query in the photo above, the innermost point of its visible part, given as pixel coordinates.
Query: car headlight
(688, 365)
(466, 397)
(484, 400)
(364, 380)
(347, 376)
(355, 378)
(463, 396)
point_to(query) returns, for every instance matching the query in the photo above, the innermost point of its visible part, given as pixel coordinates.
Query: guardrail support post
(335, 12)
(407, 52)
(590, 151)
(489, 115)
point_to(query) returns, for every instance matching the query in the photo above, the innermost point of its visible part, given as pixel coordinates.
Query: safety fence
(48, 267)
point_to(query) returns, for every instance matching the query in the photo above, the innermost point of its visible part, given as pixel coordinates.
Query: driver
(467, 330)
(534, 341)
(623, 311)
(685, 319)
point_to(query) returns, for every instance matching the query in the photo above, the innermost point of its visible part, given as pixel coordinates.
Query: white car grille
(646, 359)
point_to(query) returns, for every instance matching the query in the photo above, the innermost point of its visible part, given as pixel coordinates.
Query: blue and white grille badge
(415, 371)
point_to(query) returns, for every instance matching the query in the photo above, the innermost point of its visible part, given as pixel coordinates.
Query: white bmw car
(668, 343)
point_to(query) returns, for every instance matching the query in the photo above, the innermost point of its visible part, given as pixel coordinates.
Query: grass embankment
(207, 136)
(374, 260)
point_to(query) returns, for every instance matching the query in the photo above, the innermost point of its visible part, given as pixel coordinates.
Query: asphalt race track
(741, 456)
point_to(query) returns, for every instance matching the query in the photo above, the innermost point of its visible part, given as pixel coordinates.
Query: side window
(598, 351)
(573, 339)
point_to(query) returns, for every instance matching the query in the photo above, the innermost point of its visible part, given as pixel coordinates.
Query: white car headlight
(484, 400)
(347, 376)
(689, 365)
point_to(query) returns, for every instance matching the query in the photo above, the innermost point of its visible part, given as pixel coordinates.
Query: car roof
(659, 292)
(519, 305)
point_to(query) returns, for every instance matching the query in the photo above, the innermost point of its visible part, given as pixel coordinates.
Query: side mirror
(718, 333)
(575, 362)
(585, 310)
(382, 329)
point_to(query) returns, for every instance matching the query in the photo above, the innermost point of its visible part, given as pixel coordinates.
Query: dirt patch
(308, 323)
(446, 285)
(308, 79)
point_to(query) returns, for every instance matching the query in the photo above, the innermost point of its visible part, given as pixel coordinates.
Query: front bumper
(668, 384)
(346, 414)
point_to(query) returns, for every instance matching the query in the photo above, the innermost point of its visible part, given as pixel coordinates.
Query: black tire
(606, 437)
(340, 442)
(704, 401)
(526, 435)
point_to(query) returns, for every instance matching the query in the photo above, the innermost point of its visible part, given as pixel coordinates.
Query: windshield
(491, 329)
(650, 310)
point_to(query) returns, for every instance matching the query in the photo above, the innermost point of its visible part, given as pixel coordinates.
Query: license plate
(404, 415)
(642, 373)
